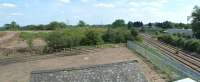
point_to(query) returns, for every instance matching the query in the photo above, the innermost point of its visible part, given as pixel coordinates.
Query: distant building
(187, 32)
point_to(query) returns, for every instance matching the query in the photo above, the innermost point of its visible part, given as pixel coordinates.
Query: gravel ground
(20, 72)
(126, 71)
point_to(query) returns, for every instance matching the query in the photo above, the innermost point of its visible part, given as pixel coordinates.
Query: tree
(158, 24)
(13, 26)
(138, 24)
(196, 21)
(81, 23)
(130, 24)
(150, 25)
(167, 24)
(118, 23)
(56, 25)
(134, 33)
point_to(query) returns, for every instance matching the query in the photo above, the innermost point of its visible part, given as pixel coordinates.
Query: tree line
(55, 25)
(117, 23)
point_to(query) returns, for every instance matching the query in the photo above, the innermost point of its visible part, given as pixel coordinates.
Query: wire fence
(165, 63)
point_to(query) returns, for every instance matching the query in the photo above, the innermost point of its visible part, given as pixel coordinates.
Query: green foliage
(92, 37)
(28, 37)
(12, 26)
(137, 24)
(130, 24)
(182, 26)
(56, 25)
(119, 35)
(72, 37)
(150, 25)
(167, 24)
(64, 39)
(192, 45)
(196, 21)
(51, 26)
(81, 23)
(118, 23)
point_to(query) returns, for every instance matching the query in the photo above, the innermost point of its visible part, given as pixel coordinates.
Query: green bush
(119, 35)
(92, 37)
(72, 37)
(63, 39)
(192, 45)
(28, 37)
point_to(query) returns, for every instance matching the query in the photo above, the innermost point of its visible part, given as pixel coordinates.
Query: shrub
(28, 37)
(63, 39)
(92, 37)
(119, 35)
(181, 42)
(72, 37)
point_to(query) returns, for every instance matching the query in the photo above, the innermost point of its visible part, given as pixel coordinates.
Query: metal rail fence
(169, 65)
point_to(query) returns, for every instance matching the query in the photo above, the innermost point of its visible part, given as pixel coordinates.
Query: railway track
(186, 59)
(181, 51)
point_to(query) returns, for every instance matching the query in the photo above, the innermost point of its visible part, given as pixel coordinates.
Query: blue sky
(27, 12)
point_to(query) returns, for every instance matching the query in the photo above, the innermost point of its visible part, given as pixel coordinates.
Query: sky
(26, 12)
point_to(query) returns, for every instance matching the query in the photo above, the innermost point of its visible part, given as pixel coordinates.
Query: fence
(169, 65)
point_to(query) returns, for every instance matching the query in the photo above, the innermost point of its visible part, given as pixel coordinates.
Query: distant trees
(34, 27)
(137, 24)
(167, 24)
(150, 25)
(56, 25)
(118, 23)
(51, 26)
(81, 23)
(182, 25)
(12, 26)
(130, 25)
(196, 21)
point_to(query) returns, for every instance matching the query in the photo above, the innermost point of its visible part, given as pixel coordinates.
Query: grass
(30, 36)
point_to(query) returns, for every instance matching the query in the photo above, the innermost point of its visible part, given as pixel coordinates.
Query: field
(22, 52)
(20, 72)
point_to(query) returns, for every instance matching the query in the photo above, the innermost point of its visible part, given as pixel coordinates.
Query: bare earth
(7, 37)
(20, 72)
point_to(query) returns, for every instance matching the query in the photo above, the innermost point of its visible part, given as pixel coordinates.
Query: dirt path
(20, 72)
(7, 37)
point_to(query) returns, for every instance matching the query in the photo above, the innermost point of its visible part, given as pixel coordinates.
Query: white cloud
(65, 1)
(104, 5)
(16, 14)
(7, 5)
